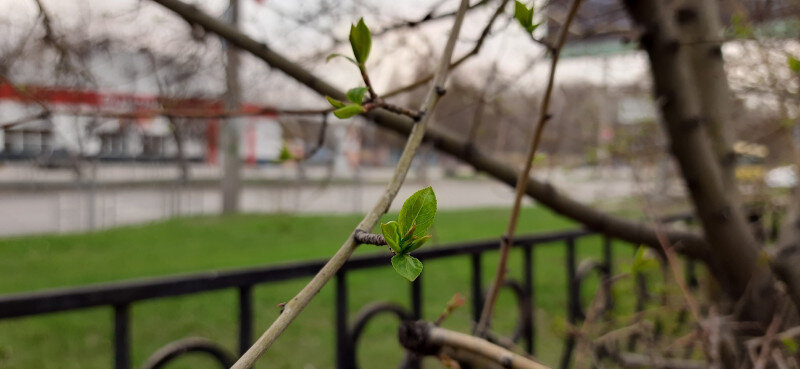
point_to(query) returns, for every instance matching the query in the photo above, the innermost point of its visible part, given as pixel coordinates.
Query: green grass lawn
(83, 339)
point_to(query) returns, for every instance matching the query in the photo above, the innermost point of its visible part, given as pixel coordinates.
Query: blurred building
(119, 127)
(109, 108)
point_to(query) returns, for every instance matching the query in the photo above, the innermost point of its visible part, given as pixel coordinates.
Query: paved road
(66, 209)
(69, 211)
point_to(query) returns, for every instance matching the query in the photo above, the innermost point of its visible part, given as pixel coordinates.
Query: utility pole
(231, 163)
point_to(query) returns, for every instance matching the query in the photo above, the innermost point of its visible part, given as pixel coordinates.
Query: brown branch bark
(635, 232)
(733, 247)
(632, 360)
(427, 339)
(702, 33)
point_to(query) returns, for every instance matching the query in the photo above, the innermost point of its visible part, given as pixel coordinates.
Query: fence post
(344, 357)
(530, 329)
(245, 318)
(477, 289)
(122, 358)
(573, 301)
(608, 272)
(416, 297)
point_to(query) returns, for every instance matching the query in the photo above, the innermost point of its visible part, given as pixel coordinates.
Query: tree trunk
(701, 33)
(733, 247)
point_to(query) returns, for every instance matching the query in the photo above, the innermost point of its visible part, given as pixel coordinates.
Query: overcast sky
(302, 29)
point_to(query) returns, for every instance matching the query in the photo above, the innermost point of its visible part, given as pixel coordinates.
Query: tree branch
(404, 24)
(427, 339)
(296, 305)
(508, 239)
(690, 244)
(632, 360)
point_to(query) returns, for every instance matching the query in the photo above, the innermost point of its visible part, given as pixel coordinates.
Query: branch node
(413, 335)
(363, 237)
(692, 123)
(440, 90)
(507, 361)
(685, 15)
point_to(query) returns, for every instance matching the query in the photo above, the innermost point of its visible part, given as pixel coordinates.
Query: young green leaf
(524, 16)
(790, 344)
(391, 233)
(348, 111)
(740, 27)
(285, 153)
(410, 232)
(794, 64)
(356, 95)
(337, 55)
(642, 262)
(416, 243)
(407, 266)
(335, 103)
(420, 208)
(360, 41)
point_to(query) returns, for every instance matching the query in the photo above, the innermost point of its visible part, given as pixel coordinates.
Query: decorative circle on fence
(523, 308)
(175, 349)
(584, 269)
(369, 312)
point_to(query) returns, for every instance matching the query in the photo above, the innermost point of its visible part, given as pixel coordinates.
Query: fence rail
(121, 295)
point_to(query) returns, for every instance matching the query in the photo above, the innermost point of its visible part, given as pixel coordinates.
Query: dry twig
(522, 180)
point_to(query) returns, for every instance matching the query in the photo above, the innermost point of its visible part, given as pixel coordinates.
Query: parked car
(781, 177)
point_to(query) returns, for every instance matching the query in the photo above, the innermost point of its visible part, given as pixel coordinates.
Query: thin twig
(25, 119)
(668, 249)
(404, 24)
(632, 360)
(416, 115)
(780, 362)
(475, 50)
(769, 335)
(320, 138)
(23, 92)
(365, 76)
(192, 113)
(293, 308)
(427, 18)
(522, 182)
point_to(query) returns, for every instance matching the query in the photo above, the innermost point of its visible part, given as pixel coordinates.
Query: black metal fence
(121, 295)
